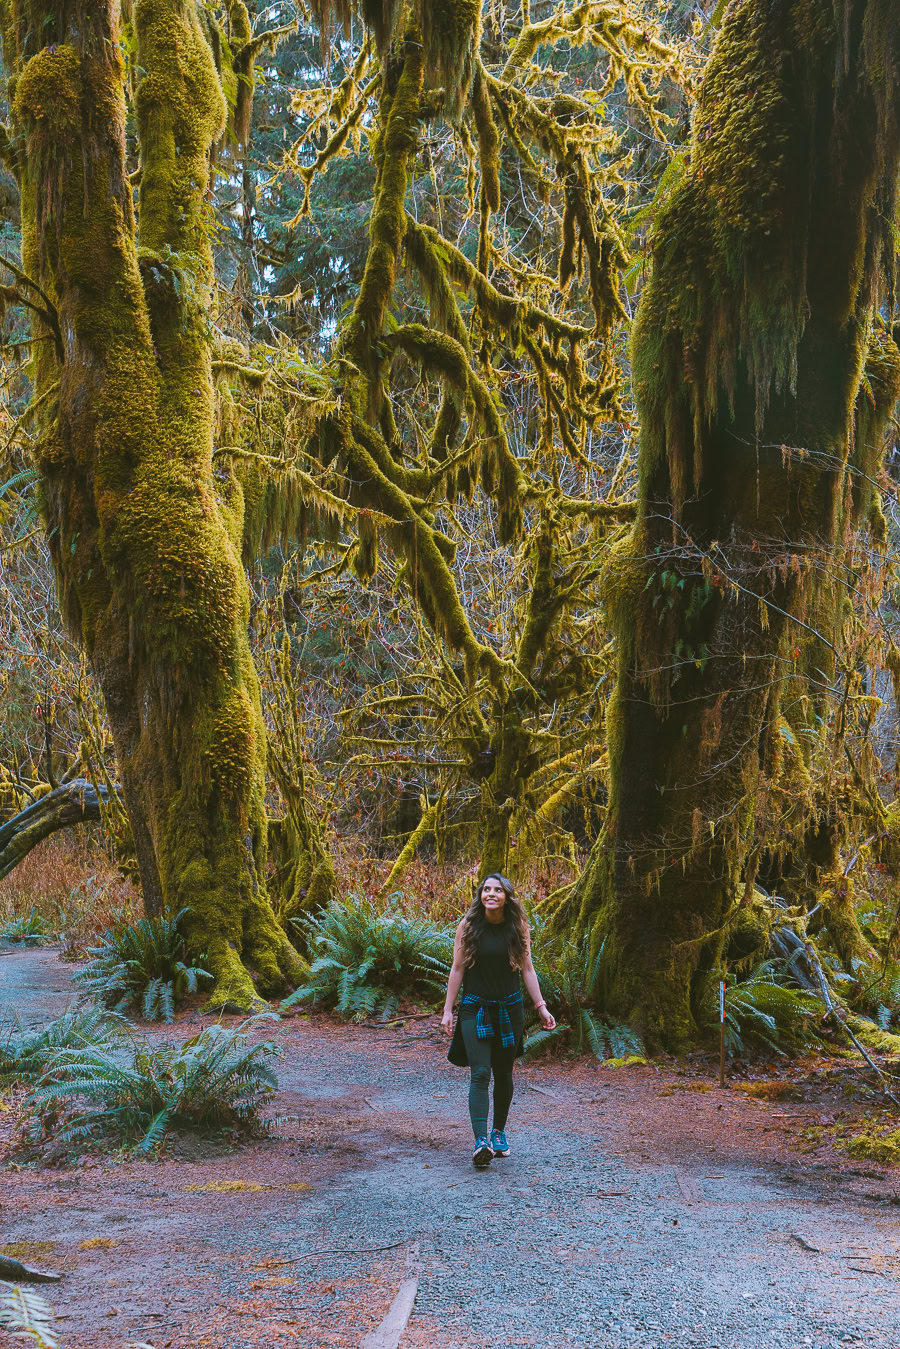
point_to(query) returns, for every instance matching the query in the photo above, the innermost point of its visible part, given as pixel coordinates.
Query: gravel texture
(637, 1209)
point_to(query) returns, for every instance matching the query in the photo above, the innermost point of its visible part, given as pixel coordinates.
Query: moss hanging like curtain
(768, 264)
(145, 540)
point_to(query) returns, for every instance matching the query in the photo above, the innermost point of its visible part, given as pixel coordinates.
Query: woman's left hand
(548, 1020)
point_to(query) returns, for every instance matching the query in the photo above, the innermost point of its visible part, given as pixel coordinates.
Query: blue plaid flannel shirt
(484, 1025)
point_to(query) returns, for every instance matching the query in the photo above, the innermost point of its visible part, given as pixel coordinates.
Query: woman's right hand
(447, 1022)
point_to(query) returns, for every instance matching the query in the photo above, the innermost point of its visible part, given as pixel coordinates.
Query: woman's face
(493, 898)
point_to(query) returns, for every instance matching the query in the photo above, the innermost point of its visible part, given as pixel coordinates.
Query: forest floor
(642, 1206)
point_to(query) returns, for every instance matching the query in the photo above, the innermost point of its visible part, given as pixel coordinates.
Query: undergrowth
(364, 960)
(24, 1055)
(568, 978)
(874, 1143)
(142, 966)
(28, 929)
(766, 1012)
(134, 1094)
(73, 887)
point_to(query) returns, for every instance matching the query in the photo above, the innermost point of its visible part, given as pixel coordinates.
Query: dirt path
(639, 1209)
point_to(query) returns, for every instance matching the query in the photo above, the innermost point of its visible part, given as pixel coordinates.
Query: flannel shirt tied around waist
(485, 1026)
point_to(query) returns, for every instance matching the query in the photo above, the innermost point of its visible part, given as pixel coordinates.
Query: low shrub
(24, 1055)
(873, 1145)
(29, 929)
(765, 1012)
(71, 883)
(364, 960)
(97, 1093)
(568, 979)
(142, 966)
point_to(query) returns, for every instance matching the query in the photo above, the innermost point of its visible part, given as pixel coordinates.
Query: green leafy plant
(24, 1054)
(218, 1080)
(29, 929)
(765, 1012)
(142, 965)
(27, 1315)
(365, 960)
(568, 979)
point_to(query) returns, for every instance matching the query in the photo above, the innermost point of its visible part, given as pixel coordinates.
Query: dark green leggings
(485, 1057)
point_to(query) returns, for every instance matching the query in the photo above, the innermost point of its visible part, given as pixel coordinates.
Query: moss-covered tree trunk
(749, 346)
(145, 536)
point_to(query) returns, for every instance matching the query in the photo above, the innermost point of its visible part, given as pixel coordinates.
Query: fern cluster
(24, 1055)
(365, 960)
(568, 979)
(142, 965)
(766, 1012)
(28, 930)
(27, 1315)
(95, 1092)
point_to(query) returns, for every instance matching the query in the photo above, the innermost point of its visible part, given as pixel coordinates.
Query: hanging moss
(146, 548)
(767, 261)
(400, 112)
(450, 32)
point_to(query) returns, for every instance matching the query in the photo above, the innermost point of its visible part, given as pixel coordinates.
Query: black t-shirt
(491, 976)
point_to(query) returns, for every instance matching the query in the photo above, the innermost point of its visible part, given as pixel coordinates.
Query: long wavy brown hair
(515, 924)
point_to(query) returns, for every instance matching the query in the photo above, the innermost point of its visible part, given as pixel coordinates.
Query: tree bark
(748, 352)
(145, 537)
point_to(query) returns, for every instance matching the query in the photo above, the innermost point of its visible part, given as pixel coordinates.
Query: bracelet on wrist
(539, 1005)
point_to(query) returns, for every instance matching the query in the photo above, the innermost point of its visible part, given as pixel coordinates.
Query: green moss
(146, 545)
(400, 116)
(48, 94)
(488, 145)
(873, 1146)
(766, 273)
(181, 114)
(872, 1036)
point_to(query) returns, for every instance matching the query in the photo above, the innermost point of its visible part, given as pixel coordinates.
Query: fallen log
(16, 1272)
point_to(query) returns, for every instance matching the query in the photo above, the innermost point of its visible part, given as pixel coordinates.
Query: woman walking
(493, 947)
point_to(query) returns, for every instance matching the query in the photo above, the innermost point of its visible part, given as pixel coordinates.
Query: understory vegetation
(363, 959)
(141, 967)
(115, 1090)
(27, 1316)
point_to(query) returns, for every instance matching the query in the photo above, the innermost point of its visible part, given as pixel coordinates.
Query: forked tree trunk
(759, 313)
(145, 538)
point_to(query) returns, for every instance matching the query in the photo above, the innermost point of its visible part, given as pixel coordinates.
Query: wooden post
(721, 1032)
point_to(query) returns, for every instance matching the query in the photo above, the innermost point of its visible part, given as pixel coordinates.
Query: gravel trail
(637, 1209)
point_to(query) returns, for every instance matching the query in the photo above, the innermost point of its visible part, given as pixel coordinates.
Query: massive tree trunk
(749, 347)
(145, 537)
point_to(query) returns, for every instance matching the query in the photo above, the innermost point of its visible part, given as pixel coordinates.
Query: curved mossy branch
(75, 802)
(407, 853)
(427, 573)
(625, 39)
(444, 357)
(400, 112)
(510, 313)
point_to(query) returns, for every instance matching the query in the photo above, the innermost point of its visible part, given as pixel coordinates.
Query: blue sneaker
(499, 1145)
(483, 1154)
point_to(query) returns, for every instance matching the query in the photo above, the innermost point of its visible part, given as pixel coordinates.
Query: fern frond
(540, 1041)
(27, 1315)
